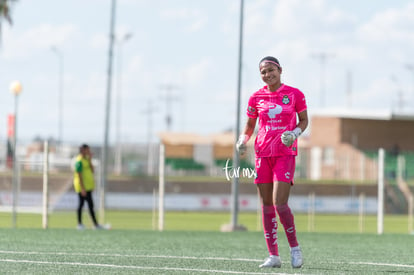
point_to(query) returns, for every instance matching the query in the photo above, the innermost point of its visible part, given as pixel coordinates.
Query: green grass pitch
(192, 244)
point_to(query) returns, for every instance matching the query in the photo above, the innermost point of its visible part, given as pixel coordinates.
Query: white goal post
(45, 208)
(161, 189)
(380, 210)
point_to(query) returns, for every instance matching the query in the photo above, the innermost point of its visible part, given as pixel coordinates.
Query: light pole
(234, 224)
(400, 102)
(60, 94)
(322, 58)
(15, 89)
(168, 100)
(150, 159)
(104, 169)
(410, 67)
(236, 160)
(118, 153)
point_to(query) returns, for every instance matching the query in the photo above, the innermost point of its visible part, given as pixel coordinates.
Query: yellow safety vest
(82, 166)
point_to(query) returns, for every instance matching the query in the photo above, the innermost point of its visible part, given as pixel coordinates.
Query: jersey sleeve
(252, 108)
(300, 102)
(78, 166)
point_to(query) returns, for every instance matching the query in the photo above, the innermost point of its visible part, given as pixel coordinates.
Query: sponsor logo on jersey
(275, 128)
(274, 110)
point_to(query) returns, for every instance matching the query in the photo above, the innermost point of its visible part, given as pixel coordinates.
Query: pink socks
(286, 218)
(270, 228)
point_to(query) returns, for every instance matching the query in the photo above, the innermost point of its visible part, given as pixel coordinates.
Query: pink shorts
(272, 169)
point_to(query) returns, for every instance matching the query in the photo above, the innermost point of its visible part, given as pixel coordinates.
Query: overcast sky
(192, 45)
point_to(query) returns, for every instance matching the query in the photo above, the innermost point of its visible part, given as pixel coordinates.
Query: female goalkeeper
(281, 111)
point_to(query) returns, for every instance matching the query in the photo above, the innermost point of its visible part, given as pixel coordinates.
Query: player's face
(270, 74)
(86, 152)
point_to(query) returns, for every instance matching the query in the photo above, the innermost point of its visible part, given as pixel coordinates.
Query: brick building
(343, 146)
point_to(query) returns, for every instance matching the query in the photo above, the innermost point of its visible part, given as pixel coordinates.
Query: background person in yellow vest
(84, 184)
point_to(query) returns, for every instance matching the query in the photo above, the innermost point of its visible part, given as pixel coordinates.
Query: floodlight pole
(410, 67)
(323, 56)
(118, 152)
(168, 100)
(236, 160)
(104, 169)
(59, 54)
(16, 89)
(15, 163)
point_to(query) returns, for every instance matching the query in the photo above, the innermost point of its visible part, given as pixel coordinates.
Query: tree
(5, 12)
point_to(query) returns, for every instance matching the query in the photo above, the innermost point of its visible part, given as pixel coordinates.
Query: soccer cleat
(80, 226)
(98, 227)
(296, 257)
(272, 261)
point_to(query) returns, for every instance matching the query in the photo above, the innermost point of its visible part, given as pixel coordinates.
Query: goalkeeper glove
(289, 137)
(241, 143)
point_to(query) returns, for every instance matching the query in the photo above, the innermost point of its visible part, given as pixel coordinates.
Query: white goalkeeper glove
(289, 137)
(241, 143)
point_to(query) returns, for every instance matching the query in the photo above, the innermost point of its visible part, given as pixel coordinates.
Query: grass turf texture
(209, 221)
(68, 251)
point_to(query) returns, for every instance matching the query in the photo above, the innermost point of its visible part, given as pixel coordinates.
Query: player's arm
(79, 172)
(303, 120)
(245, 136)
(250, 125)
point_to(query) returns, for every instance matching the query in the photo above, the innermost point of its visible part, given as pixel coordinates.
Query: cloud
(296, 17)
(198, 72)
(390, 24)
(99, 41)
(195, 19)
(380, 94)
(135, 64)
(39, 37)
(254, 17)
(198, 24)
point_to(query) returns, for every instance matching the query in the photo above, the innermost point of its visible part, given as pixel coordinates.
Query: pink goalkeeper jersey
(277, 113)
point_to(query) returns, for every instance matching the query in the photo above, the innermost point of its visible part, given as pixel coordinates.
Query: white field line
(136, 267)
(126, 255)
(382, 264)
(158, 256)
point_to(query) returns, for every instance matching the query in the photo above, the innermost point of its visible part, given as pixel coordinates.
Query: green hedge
(184, 164)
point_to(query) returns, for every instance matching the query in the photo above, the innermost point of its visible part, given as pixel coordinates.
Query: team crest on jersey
(251, 109)
(285, 99)
(287, 175)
